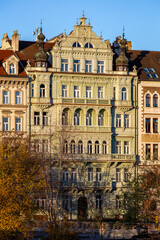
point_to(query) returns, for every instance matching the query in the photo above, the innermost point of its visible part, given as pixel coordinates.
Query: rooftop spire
(83, 20)
(122, 60)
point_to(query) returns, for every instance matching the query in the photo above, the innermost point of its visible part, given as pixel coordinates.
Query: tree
(21, 178)
(141, 198)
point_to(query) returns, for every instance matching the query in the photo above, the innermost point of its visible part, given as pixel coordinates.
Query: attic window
(150, 73)
(12, 69)
(88, 45)
(76, 44)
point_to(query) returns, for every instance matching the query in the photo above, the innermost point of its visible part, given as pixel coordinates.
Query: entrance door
(82, 208)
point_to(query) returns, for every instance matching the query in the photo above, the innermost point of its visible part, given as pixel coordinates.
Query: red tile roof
(4, 54)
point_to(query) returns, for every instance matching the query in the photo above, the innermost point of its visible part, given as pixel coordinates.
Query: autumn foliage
(21, 177)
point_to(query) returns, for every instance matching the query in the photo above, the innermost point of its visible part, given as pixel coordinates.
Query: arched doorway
(82, 208)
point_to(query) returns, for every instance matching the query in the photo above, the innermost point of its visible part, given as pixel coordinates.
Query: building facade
(83, 111)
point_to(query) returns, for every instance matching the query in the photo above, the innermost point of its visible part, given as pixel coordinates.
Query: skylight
(150, 72)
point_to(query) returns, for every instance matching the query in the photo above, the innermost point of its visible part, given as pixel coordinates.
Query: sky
(141, 19)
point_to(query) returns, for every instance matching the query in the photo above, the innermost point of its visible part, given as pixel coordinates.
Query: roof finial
(83, 14)
(123, 31)
(41, 26)
(101, 35)
(89, 23)
(64, 32)
(77, 22)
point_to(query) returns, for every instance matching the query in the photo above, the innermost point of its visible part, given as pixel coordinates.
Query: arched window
(76, 44)
(104, 147)
(80, 147)
(148, 100)
(96, 147)
(12, 68)
(65, 117)
(77, 118)
(155, 100)
(88, 45)
(89, 147)
(5, 97)
(72, 147)
(89, 119)
(42, 90)
(65, 147)
(101, 119)
(124, 94)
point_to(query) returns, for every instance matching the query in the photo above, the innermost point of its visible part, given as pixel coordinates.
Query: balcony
(84, 101)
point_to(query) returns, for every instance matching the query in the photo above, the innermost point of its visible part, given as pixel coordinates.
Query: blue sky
(141, 19)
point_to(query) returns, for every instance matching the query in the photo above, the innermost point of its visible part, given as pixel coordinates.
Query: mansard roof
(144, 59)
(4, 55)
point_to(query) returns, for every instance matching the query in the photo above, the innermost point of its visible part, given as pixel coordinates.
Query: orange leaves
(21, 177)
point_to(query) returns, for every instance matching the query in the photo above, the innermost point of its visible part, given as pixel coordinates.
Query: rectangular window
(65, 175)
(118, 174)
(74, 175)
(98, 174)
(98, 202)
(88, 66)
(126, 121)
(148, 151)
(32, 90)
(100, 66)
(5, 123)
(65, 203)
(118, 120)
(118, 147)
(18, 124)
(118, 202)
(64, 90)
(64, 65)
(148, 125)
(88, 92)
(5, 97)
(36, 146)
(76, 65)
(36, 118)
(44, 146)
(114, 93)
(155, 125)
(76, 92)
(125, 174)
(18, 98)
(100, 92)
(155, 151)
(45, 118)
(126, 147)
(90, 174)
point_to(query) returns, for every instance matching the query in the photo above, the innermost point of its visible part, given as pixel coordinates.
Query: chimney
(5, 42)
(15, 41)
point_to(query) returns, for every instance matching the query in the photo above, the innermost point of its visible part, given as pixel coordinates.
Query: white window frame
(99, 174)
(76, 65)
(100, 119)
(76, 91)
(90, 174)
(89, 147)
(126, 174)
(64, 65)
(118, 147)
(5, 97)
(42, 91)
(64, 90)
(100, 92)
(126, 121)
(126, 147)
(118, 175)
(124, 94)
(100, 66)
(88, 92)
(74, 175)
(44, 145)
(12, 68)
(5, 124)
(104, 147)
(76, 118)
(36, 118)
(45, 118)
(18, 124)
(65, 175)
(118, 120)
(18, 97)
(89, 119)
(88, 66)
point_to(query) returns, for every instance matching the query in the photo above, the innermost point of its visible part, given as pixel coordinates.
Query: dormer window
(88, 45)
(38, 64)
(76, 44)
(12, 68)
